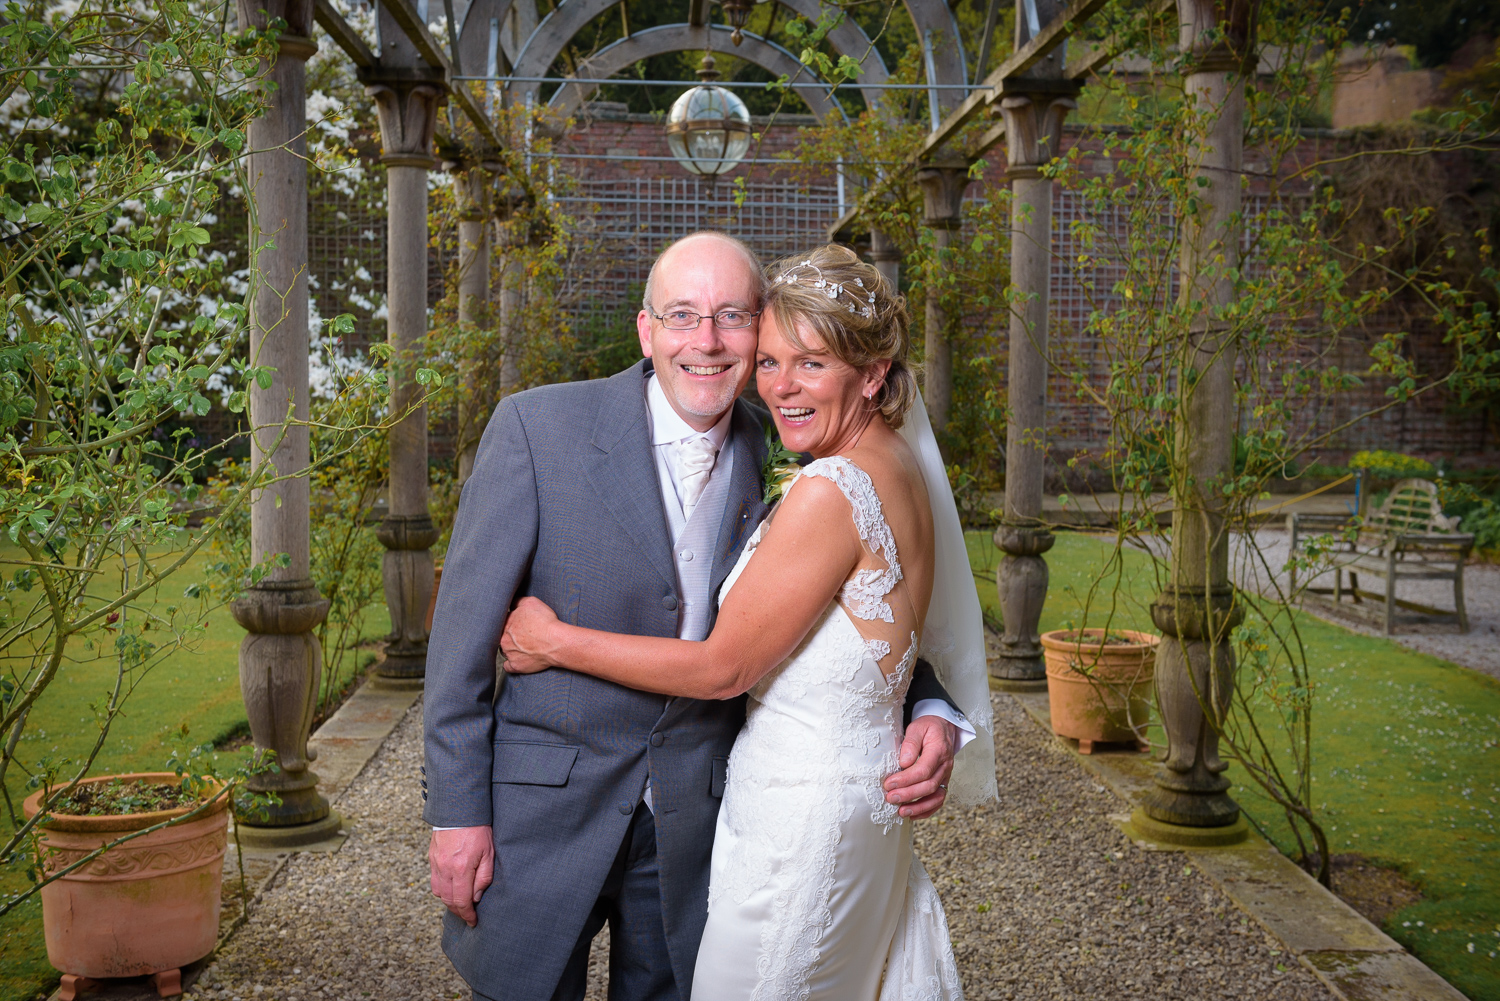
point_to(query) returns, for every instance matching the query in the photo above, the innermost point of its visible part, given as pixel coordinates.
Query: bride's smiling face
(820, 404)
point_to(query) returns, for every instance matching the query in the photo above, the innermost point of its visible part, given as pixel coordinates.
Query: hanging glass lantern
(708, 128)
(737, 12)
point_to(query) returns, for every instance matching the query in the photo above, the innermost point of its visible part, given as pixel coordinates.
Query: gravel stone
(1046, 899)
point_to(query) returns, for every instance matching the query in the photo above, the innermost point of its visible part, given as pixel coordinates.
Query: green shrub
(1392, 465)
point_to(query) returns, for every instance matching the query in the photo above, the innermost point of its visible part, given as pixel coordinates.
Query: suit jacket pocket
(522, 763)
(717, 776)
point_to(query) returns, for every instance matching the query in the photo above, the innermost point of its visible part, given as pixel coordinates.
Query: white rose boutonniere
(780, 467)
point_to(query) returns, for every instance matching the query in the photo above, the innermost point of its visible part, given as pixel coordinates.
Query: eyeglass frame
(705, 316)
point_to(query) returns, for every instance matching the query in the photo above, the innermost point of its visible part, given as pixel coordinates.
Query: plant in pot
(132, 866)
(1099, 684)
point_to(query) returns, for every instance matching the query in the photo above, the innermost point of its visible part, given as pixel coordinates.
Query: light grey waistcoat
(694, 551)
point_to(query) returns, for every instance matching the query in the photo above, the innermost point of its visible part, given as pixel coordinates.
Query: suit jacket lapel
(745, 507)
(624, 470)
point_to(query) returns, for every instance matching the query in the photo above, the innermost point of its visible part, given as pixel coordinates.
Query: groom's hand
(921, 786)
(463, 865)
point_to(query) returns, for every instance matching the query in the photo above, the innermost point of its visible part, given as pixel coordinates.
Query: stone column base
(285, 838)
(1146, 828)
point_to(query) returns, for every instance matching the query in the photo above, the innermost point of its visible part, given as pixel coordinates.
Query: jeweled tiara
(833, 290)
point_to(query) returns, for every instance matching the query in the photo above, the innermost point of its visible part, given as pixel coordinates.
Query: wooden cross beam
(405, 15)
(1078, 69)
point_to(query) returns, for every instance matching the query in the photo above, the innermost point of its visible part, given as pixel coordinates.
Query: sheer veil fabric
(953, 636)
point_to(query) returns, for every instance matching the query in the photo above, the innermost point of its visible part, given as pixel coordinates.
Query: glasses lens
(680, 319)
(732, 319)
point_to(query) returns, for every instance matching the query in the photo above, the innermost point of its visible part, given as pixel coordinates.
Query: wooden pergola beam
(405, 15)
(343, 34)
(1078, 68)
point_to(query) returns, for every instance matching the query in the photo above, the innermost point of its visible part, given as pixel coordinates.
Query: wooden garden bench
(1406, 538)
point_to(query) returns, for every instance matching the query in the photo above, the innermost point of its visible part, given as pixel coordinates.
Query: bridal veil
(953, 636)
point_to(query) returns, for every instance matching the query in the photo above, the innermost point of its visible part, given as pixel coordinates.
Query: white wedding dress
(814, 889)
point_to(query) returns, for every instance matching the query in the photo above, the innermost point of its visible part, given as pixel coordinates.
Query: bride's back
(892, 468)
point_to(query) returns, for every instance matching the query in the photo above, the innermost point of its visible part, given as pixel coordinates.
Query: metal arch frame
(683, 36)
(564, 22)
(949, 62)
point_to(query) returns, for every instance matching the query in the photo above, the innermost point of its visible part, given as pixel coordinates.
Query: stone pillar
(1033, 126)
(281, 661)
(407, 104)
(1034, 107)
(886, 257)
(473, 183)
(512, 281)
(943, 187)
(1195, 663)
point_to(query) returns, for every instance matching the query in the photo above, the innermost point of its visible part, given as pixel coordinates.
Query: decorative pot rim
(122, 821)
(1144, 641)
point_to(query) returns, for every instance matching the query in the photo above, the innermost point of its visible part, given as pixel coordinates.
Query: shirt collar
(667, 426)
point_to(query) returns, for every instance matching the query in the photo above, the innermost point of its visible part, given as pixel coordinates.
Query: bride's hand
(525, 641)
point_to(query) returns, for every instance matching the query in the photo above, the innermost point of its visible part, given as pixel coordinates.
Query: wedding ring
(941, 786)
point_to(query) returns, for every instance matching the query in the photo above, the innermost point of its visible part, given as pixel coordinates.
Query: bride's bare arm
(804, 559)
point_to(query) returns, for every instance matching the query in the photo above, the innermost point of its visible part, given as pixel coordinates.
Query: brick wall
(630, 209)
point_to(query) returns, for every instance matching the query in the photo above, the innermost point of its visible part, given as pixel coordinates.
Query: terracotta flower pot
(147, 907)
(1096, 689)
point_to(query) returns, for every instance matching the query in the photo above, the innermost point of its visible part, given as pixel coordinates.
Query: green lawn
(198, 688)
(1406, 762)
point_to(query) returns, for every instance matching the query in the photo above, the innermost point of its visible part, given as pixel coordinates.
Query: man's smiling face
(702, 370)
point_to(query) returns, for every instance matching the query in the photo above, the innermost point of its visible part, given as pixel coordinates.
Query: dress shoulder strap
(866, 591)
(859, 490)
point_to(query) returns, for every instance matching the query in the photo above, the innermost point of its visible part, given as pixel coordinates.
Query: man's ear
(643, 330)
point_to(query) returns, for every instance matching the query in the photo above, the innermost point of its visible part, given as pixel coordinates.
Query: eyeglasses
(686, 319)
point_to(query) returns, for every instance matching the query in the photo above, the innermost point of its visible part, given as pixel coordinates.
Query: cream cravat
(695, 461)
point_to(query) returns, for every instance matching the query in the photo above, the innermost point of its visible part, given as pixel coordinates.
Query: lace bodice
(805, 788)
(865, 595)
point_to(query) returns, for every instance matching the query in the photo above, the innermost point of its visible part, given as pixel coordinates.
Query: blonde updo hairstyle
(854, 329)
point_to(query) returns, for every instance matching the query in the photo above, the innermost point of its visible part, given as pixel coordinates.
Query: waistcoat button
(669, 603)
(686, 556)
(657, 740)
(627, 807)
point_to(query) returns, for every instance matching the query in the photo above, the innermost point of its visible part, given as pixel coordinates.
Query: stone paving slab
(1366, 976)
(1356, 960)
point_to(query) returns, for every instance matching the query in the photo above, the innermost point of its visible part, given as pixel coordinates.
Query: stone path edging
(1353, 958)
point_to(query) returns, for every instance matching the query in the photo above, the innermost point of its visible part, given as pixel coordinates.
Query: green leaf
(15, 170)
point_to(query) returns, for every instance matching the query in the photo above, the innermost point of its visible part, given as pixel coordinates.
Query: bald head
(753, 267)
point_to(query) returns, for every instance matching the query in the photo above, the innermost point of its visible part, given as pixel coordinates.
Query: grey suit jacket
(564, 504)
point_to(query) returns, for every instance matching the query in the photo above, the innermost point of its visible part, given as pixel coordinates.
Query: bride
(815, 891)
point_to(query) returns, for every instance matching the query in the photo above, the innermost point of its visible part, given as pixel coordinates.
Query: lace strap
(865, 592)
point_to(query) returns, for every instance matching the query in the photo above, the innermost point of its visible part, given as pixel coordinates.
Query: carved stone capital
(1024, 540)
(280, 608)
(408, 107)
(1196, 613)
(412, 531)
(1219, 35)
(298, 15)
(1033, 130)
(943, 187)
(472, 184)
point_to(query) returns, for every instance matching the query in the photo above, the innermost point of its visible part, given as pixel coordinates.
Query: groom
(562, 801)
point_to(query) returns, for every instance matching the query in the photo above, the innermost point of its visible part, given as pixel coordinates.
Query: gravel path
(1479, 649)
(1045, 898)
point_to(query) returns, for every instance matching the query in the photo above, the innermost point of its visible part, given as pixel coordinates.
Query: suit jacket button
(669, 603)
(627, 807)
(657, 740)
